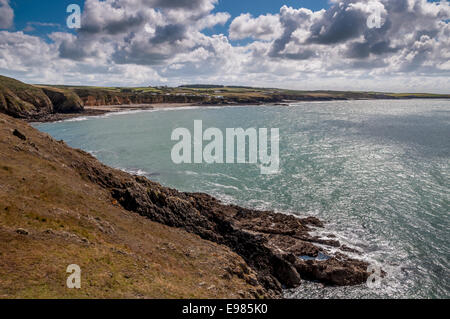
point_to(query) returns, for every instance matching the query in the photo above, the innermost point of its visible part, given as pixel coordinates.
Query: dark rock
(313, 221)
(18, 134)
(334, 271)
(22, 231)
(64, 101)
(22, 100)
(349, 249)
(326, 242)
(33, 102)
(270, 243)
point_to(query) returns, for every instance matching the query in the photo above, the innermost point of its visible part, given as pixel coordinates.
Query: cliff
(33, 102)
(64, 101)
(95, 96)
(22, 100)
(47, 103)
(52, 215)
(102, 97)
(136, 238)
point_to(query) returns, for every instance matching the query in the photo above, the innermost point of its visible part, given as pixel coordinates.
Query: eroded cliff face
(64, 101)
(21, 100)
(104, 97)
(25, 101)
(270, 243)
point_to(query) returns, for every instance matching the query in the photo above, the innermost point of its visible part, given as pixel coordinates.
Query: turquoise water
(376, 171)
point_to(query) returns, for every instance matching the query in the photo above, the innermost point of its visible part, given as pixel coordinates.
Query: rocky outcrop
(64, 101)
(102, 97)
(21, 100)
(51, 217)
(31, 102)
(277, 246)
(46, 103)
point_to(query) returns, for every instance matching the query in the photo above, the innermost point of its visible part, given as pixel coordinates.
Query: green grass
(419, 95)
(125, 255)
(235, 93)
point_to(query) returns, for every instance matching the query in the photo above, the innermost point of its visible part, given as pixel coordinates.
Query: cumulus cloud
(6, 15)
(411, 34)
(296, 25)
(265, 27)
(159, 41)
(145, 32)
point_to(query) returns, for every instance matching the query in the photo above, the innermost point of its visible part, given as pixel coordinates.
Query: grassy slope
(241, 93)
(17, 86)
(28, 101)
(70, 220)
(64, 101)
(20, 99)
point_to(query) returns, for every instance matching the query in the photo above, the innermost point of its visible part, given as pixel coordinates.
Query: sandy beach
(119, 108)
(103, 109)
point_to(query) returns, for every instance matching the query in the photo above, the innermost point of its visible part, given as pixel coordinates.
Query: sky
(364, 45)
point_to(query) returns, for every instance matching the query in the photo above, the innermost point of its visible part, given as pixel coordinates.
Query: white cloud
(6, 15)
(265, 27)
(295, 48)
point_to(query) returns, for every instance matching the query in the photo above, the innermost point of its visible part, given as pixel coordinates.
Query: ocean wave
(137, 111)
(220, 175)
(128, 112)
(224, 186)
(191, 173)
(134, 171)
(76, 119)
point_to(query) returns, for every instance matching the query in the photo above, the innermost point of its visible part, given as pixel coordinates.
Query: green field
(234, 92)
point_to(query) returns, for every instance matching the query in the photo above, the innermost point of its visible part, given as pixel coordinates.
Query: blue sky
(41, 11)
(256, 8)
(285, 43)
(54, 11)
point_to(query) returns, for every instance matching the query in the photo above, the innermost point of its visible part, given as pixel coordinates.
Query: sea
(377, 172)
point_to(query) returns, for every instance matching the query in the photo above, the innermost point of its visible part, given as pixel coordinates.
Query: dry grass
(71, 221)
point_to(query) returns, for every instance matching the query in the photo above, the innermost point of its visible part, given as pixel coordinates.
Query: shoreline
(91, 111)
(270, 243)
(55, 213)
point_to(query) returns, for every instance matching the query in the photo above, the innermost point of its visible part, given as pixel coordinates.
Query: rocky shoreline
(52, 215)
(39, 103)
(274, 245)
(277, 247)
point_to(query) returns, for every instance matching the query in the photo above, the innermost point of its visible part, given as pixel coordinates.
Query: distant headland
(56, 102)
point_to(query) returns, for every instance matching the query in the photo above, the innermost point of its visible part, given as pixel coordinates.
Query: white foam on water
(221, 186)
(220, 175)
(119, 113)
(76, 119)
(134, 171)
